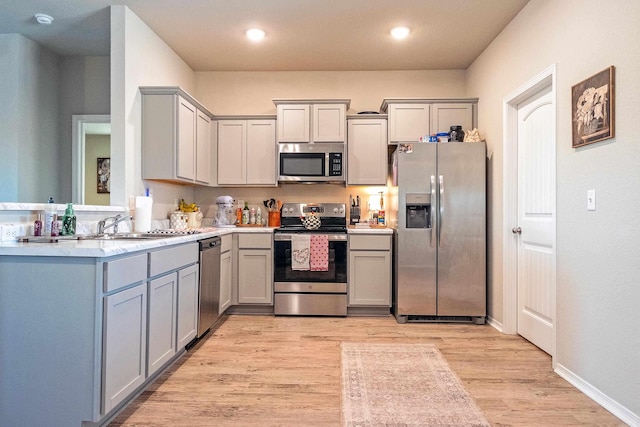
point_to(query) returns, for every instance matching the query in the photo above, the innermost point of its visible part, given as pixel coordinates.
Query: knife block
(354, 215)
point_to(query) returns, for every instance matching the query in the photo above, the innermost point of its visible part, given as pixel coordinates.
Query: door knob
(516, 230)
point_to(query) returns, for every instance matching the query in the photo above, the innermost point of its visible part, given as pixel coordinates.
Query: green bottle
(69, 221)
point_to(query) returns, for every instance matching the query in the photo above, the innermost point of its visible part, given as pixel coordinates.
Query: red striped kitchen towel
(319, 256)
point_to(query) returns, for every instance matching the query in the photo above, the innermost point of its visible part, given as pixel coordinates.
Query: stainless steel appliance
(440, 238)
(209, 293)
(311, 162)
(308, 292)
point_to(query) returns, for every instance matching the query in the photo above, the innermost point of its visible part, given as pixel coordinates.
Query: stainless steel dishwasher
(209, 295)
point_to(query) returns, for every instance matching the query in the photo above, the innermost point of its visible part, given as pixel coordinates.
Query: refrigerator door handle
(440, 208)
(432, 208)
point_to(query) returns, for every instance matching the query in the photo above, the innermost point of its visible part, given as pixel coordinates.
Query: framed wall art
(593, 110)
(104, 174)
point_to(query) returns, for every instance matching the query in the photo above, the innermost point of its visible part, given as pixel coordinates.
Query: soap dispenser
(69, 221)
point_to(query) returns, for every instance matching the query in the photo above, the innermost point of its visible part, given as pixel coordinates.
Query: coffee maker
(226, 214)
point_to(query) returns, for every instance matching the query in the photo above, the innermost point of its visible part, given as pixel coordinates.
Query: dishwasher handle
(210, 243)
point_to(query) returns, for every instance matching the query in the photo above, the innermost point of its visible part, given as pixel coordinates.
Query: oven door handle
(332, 237)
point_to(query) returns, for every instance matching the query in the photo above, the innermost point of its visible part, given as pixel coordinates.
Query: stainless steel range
(310, 260)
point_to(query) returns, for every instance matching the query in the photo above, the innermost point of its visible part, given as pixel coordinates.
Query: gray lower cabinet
(146, 325)
(370, 270)
(163, 297)
(226, 276)
(188, 283)
(125, 344)
(255, 268)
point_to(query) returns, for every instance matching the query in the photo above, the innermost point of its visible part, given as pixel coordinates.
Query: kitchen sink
(124, 236)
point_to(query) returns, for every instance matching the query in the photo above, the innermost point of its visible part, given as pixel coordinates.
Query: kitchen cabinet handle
(516, 230)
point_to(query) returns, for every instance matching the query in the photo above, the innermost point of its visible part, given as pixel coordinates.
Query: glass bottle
(37, 226)
(69, 221)
(245, 213)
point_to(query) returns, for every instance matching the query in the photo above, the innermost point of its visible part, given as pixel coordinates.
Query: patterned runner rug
(403, 385)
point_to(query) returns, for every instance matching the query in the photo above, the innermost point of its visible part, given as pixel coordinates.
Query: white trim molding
(599, 397)
(546, 78)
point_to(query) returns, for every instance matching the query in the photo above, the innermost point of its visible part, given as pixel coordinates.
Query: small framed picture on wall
(593, 109)
(104, 174)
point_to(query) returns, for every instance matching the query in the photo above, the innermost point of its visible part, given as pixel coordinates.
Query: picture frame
(104, 174)
(593, 108)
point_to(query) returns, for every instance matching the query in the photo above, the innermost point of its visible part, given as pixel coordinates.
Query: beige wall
(139, 58)
(597, 252)
(230, 93)
(252, 92)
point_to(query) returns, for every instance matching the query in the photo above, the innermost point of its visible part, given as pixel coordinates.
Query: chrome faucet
(115, 220)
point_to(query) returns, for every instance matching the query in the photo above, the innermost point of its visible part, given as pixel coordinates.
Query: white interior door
(536, 252)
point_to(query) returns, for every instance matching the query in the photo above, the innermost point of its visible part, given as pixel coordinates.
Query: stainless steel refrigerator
(439, 213)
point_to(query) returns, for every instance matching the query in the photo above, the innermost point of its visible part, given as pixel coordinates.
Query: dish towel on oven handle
(319, 257)
(300, 249)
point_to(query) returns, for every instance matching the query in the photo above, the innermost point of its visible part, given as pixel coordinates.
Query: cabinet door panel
(232, 142)
(408, 122)
(370, 278)
(203, 148)
(186, 140)
(125, 339)
(187, 305)
(261, 152)
(329, 122)
(225, 281)
(162, 321)
(255, 277)
(367, 148)
(293, 122)
(443, 116)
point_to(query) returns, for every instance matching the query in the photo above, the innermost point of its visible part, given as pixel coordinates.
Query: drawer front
(255, 240)
(172, 258)
(369, 243)
(227, 243)
(124, 271)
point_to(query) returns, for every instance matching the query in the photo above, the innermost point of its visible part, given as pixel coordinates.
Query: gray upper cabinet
(445, 115)
(412, 118)
(176, 136)
(367, 150)
(246, 151)
(408, 122)
(304, 121)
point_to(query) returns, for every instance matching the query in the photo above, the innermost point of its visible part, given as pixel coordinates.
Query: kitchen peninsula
(78, 322)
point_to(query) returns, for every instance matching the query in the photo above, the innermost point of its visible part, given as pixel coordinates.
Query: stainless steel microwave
(311, 162)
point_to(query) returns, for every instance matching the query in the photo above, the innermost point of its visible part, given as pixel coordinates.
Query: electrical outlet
(9, 232)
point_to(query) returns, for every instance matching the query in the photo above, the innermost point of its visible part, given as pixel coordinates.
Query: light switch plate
(591, 200)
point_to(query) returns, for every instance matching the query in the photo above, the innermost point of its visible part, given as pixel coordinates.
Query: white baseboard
(497, 325)
(599, 397)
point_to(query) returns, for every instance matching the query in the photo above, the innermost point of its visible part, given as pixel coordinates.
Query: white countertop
(106, 248)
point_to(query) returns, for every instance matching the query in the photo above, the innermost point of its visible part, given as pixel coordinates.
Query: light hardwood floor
(285, 371)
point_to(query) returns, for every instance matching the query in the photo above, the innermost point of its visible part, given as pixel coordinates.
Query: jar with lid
(456, 134)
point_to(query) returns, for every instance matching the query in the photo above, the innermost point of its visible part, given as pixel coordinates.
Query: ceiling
(301, 35)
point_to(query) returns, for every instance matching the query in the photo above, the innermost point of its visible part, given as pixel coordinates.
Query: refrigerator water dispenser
(418, 210)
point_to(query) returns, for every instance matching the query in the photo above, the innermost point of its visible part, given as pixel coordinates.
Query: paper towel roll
(143, 213)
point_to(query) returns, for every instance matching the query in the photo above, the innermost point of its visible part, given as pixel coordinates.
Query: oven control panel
(333, 210)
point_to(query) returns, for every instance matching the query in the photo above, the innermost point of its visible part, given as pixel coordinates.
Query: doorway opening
(513, 243)
(91, 136)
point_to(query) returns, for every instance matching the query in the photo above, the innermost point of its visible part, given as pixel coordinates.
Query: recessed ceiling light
(255, 34)
(41, 18)
(400, 33)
